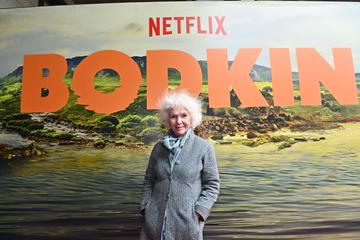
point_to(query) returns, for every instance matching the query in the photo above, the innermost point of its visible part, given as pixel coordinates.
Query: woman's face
(179, 120)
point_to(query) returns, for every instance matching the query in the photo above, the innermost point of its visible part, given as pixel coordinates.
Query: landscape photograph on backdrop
(279, 85)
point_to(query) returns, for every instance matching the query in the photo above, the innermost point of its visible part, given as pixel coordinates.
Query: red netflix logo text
(213, 25)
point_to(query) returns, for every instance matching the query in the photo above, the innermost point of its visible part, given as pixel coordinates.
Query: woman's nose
(178, 120)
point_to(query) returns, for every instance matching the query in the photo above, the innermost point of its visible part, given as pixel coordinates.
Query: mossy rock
(35, 126)
(86, 126)
(280, 138)
(300, 139)
(232, 111)
(131, 124)
(130, 139)
(219, 112)
(20, 130)
(8, 153)
(18, 116)
(150, 134)
(121, 136)
(130, 121)
(99, 143)
(316, 139)
(150, 121)
(105, 126)
(286, 145)
(255, 142)
(217, 137)
(110, 118)
(36, 150)
(62, 136)
(251, 135)
(52, 134)
(24, 123)
(18, 123)
(120, 143)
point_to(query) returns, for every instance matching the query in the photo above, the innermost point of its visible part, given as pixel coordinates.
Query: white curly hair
(174, 99)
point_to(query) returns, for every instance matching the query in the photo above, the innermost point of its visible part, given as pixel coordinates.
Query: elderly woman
(181, 180)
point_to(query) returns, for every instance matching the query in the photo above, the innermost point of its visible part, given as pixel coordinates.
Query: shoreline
(284, 138)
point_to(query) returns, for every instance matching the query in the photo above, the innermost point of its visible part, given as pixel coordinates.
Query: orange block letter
(34, 81)
(83, 84)
(281, 77)
(220, 78)
(339, 81)
(158, 63)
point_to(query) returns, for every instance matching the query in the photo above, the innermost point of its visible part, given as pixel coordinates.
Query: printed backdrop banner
(279, 83)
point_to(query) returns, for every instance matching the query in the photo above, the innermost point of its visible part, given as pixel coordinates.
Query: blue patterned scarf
(175, 144)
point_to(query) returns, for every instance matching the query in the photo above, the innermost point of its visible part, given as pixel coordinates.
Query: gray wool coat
(192, 186)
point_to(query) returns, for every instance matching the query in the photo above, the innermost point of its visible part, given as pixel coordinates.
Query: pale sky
(83, 29)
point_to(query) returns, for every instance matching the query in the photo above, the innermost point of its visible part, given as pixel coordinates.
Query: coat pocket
(142, 211)
(196, 222)
(147, 204)
(151, 219)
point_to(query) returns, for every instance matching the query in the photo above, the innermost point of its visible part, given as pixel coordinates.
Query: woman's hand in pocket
(198, 216)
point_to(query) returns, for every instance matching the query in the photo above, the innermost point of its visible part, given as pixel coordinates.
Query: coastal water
(308, 191)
